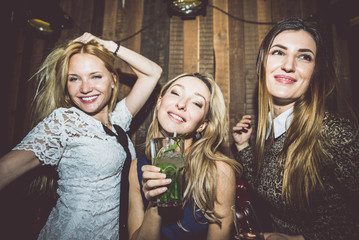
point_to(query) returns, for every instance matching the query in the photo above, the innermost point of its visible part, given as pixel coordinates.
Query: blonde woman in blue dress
(195, 105)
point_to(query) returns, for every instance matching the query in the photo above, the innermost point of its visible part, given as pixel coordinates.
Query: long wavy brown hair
(201, 171)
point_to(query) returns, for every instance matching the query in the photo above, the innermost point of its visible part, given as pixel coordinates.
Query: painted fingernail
(168, 180)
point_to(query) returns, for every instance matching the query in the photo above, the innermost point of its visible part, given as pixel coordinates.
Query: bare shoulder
(224, 169)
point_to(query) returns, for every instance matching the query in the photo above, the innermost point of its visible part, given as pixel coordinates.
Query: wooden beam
(264, 14)
(154, 45)
(206, 53)
(221, 49)
(237, 103)
(176, 48)
(191, 45)
(250, 56)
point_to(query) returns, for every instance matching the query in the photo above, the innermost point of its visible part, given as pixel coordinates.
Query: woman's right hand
(153, 181)
(87, 37)
(242, 132)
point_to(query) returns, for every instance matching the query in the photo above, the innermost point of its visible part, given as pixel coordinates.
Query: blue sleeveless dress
(188, 227)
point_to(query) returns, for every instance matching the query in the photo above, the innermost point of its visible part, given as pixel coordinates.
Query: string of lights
(240, 19)
(210, 5)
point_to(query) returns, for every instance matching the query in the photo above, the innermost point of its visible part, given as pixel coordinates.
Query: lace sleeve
(47, 139)
(121, 115)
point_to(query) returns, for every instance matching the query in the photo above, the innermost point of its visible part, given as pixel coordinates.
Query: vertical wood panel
(85, 13)
(237, 53)
(221, 49)
(191, 45)
(109, 21)
(206, 51)
(129, 22)
(176, 48)
(112, 31)
(341, 54)
(251, 49)
(154, 45)
(285, 8)
(263, 15)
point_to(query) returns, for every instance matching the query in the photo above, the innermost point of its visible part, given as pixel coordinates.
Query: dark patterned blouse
(333, 214)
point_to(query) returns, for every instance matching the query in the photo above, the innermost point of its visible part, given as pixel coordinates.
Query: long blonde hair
(303, 154)
(201, 171)
(51, 77)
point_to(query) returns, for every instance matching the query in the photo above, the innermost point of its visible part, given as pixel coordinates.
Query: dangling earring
(198, 135)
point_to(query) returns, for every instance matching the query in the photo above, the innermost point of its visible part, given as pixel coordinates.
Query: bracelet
(118, 47)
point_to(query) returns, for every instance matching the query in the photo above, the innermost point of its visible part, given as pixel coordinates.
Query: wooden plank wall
(223, 43)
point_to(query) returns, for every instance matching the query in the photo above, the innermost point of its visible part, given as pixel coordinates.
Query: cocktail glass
(168, 154)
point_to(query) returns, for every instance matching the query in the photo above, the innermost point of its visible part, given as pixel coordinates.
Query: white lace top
(89, 167)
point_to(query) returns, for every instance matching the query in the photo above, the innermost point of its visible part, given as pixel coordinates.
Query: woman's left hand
(154, 182)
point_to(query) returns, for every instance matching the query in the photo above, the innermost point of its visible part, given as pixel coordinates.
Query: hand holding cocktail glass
(154, 182)
(168, 154)
(163, 180)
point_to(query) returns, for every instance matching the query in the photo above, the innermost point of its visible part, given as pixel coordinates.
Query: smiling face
(184, 106)
(290, 65)
(90, 84)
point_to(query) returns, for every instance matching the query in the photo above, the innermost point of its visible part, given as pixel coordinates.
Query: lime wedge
(167, 168)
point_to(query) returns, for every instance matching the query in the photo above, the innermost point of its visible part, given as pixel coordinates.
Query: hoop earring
(198, 135)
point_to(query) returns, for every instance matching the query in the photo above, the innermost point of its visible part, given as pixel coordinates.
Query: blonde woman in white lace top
(77, 95)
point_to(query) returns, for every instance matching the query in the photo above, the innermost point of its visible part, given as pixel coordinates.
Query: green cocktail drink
(169, 156)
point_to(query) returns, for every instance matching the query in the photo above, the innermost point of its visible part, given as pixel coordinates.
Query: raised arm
(148, 72)
(144, 223)
(14, 164)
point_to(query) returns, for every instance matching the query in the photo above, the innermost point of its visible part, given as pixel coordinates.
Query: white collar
(281, 123)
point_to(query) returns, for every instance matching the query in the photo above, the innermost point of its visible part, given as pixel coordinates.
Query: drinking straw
(174, 134)
(175, 131)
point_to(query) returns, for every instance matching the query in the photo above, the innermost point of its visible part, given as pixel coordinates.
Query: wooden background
(224, 43)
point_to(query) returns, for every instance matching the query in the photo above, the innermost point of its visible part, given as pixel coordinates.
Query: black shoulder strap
(122, 139)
